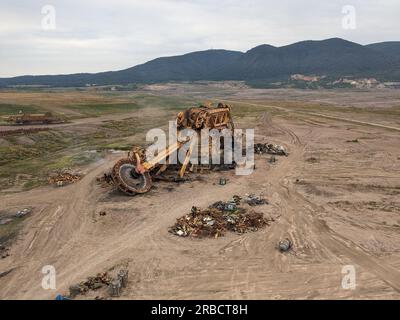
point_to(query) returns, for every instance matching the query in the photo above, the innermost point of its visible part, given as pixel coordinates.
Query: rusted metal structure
(201, 117)
(33, 118)
(133, 175)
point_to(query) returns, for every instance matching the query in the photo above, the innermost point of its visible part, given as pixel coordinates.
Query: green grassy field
(10, 230)
(134, 102)
(27, 160)
(11, 109)
(7, 109)
(95, 110)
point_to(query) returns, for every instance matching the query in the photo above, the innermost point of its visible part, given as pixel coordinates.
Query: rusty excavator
(33, 118)
(133, 174)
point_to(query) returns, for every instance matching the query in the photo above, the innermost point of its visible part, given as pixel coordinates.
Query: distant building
(301, 77)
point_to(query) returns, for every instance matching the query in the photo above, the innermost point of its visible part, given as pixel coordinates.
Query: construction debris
(101, 280)
(123, 277)
(224, 206)
(91, 283)
(236, 199)
(63, 178)
(117, 284)
(217, 219)
(267, 148)
(253, 200)
(115, 288)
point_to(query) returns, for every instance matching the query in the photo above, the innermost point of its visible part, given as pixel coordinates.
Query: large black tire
(128, 180)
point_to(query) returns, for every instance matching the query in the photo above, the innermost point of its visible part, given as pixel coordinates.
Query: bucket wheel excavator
(133, 175)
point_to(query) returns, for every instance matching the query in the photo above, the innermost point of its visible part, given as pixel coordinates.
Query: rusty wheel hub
(128, 180)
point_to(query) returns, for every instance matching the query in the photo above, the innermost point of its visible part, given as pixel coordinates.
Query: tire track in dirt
(334, 242)
(340, 245)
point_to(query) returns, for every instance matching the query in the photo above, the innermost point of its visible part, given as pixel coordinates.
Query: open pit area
(336, 196)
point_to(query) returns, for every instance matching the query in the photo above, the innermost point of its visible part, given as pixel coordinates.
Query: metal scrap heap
(115, 284)
(253, 200)
(268, 148)
(217, 219)
(91, 283)
(63, 178)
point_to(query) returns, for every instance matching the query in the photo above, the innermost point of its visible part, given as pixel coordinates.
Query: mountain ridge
(332, 57)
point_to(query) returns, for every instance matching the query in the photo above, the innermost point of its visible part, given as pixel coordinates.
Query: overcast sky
(102, 35)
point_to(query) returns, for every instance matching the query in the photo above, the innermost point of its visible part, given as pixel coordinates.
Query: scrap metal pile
(92, 283)
(253, 200)
(219, 218)
(63, 178)
(34, 118)
(114, 284)
(268, 148)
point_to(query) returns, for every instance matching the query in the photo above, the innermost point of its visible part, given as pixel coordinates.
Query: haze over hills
(332, 57)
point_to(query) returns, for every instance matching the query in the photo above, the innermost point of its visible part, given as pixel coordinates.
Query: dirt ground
(336, 196)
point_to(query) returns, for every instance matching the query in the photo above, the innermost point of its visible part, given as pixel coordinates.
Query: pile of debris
(64, 177)
(217, 219)
(253, 200)
(267, 148)
(101, 280)
(91, 283)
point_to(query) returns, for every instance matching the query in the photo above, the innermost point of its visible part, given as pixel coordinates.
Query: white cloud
(99, 35)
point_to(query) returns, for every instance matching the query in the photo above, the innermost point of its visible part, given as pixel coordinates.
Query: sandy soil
(336, 200)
